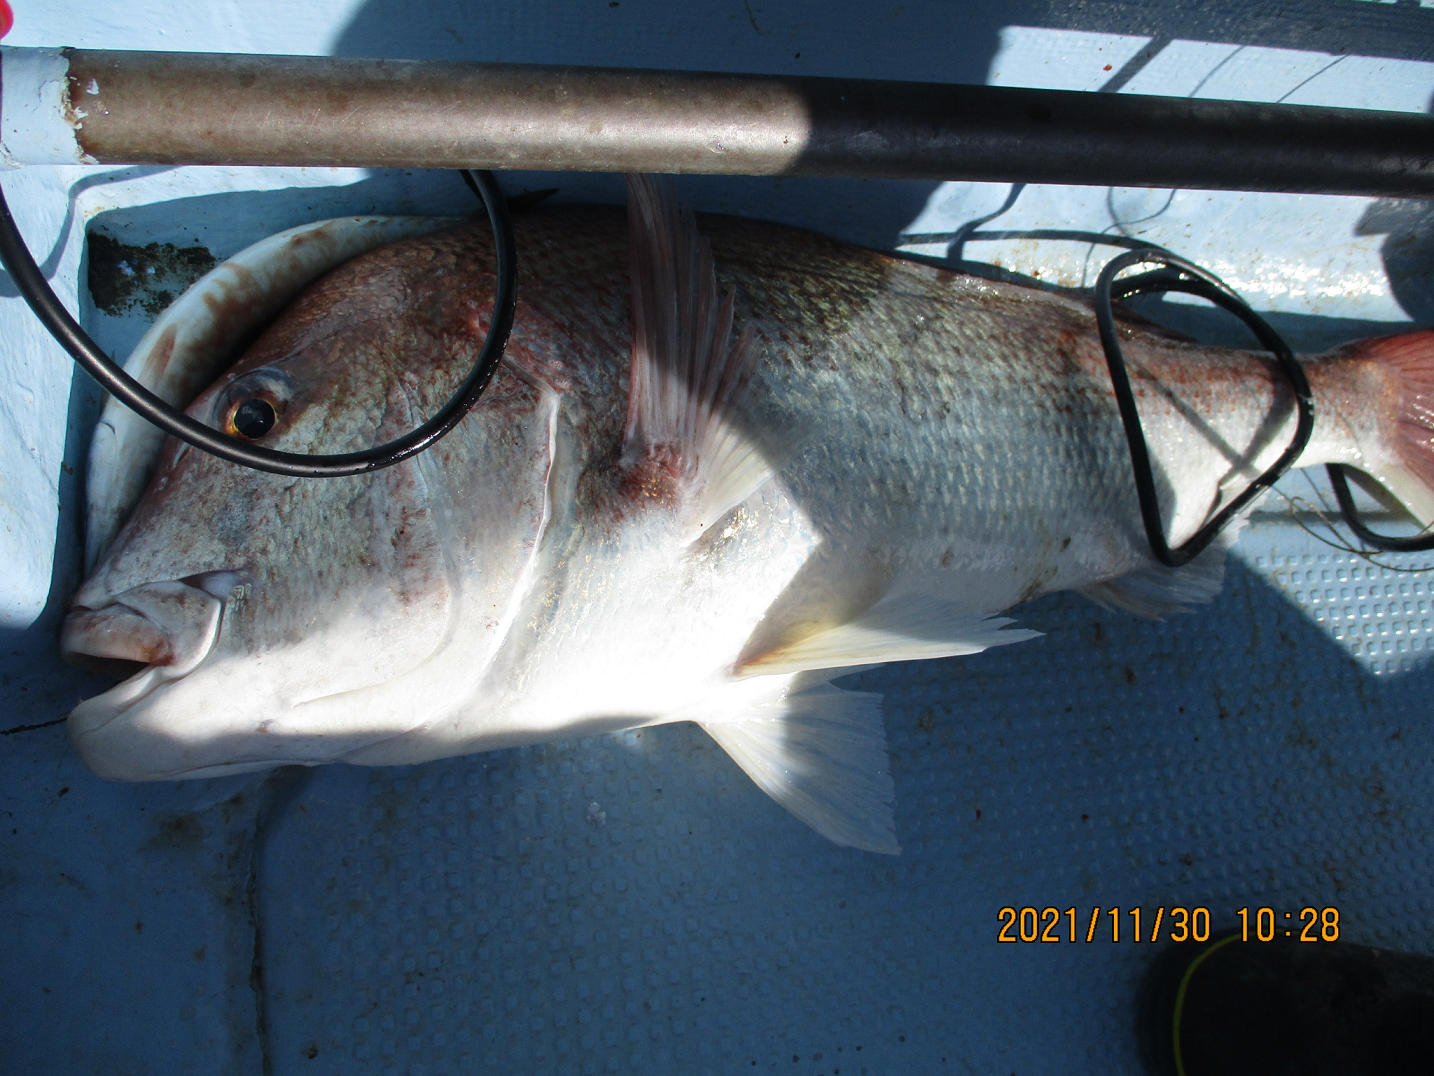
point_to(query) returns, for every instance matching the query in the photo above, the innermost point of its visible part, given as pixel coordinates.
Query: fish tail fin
(689, 370)
(820, 752)
(1407, 471)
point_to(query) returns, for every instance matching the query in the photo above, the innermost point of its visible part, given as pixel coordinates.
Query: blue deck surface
(467, 916)
(633, 903)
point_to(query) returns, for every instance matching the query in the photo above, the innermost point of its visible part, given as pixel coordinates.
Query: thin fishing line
(1295, 504)
(1324, 512)
(1305, 82)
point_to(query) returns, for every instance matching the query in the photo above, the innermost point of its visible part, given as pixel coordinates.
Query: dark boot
(1288, 1008)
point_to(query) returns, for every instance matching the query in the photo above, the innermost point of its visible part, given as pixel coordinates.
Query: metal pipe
(194, 108)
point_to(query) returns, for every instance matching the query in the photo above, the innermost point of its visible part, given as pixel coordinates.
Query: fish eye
(250, 407)
(252, 417)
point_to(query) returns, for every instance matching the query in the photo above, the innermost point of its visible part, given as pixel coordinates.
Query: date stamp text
(1177, 924)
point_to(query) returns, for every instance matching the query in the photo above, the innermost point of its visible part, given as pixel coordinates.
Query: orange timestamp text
(1177, 924)
(1306, 925)
(1131, 924)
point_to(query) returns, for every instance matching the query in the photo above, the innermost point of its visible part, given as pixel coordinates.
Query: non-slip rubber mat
(632, 903)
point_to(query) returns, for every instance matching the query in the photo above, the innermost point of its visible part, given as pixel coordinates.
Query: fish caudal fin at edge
(1407, 472)
(1399, 472)
(688, 371)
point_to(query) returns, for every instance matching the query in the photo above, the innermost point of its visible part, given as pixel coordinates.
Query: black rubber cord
(1417, 543)
(1181, 275)
(47, 307)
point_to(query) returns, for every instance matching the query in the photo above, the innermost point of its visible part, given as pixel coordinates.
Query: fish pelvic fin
(900, 627)
(820, 752)
(689, 371)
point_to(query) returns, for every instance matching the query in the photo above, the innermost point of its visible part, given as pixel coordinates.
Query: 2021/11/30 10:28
(1030, 924)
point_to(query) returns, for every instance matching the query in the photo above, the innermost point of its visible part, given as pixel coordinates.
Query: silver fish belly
(719, 469)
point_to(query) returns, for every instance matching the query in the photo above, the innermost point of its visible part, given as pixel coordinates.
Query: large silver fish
(669, 506)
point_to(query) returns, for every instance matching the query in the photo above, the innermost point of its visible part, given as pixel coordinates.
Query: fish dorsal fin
(688, 371)
(821, 753)
(900, 627)
(199, 336)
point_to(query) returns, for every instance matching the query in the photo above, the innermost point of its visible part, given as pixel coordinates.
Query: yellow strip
(1180, 997)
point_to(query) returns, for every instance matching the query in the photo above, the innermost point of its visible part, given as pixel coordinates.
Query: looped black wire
(1413, 544)
(1181, 275)
(47, 307)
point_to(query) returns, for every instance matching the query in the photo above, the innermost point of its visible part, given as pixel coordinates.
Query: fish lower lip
(96, 712)
(218, 584)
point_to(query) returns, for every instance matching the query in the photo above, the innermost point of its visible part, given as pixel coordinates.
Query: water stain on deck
(125, 278)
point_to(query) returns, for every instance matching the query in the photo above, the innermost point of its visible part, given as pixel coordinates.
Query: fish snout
(170, 625)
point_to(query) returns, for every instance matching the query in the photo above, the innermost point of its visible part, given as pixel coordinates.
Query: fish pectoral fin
(902, 627)
(820, 752)
(689, 371)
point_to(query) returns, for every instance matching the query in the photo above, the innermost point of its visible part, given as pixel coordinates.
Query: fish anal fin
(902, 627)
(689, 370)
(820, 752)
(1156, 591)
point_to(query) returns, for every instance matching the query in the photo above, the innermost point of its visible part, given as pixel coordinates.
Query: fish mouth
(155, 634)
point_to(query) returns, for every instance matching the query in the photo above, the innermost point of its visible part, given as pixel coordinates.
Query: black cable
(47, 307)
(1181, 275)
(1187, 277)
(1413, 544)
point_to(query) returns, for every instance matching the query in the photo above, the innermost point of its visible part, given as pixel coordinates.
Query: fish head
(288, 620)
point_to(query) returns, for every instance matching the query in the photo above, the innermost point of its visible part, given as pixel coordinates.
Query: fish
(723, 463)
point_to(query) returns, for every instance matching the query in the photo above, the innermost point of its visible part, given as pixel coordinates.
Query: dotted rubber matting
(633, 904)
